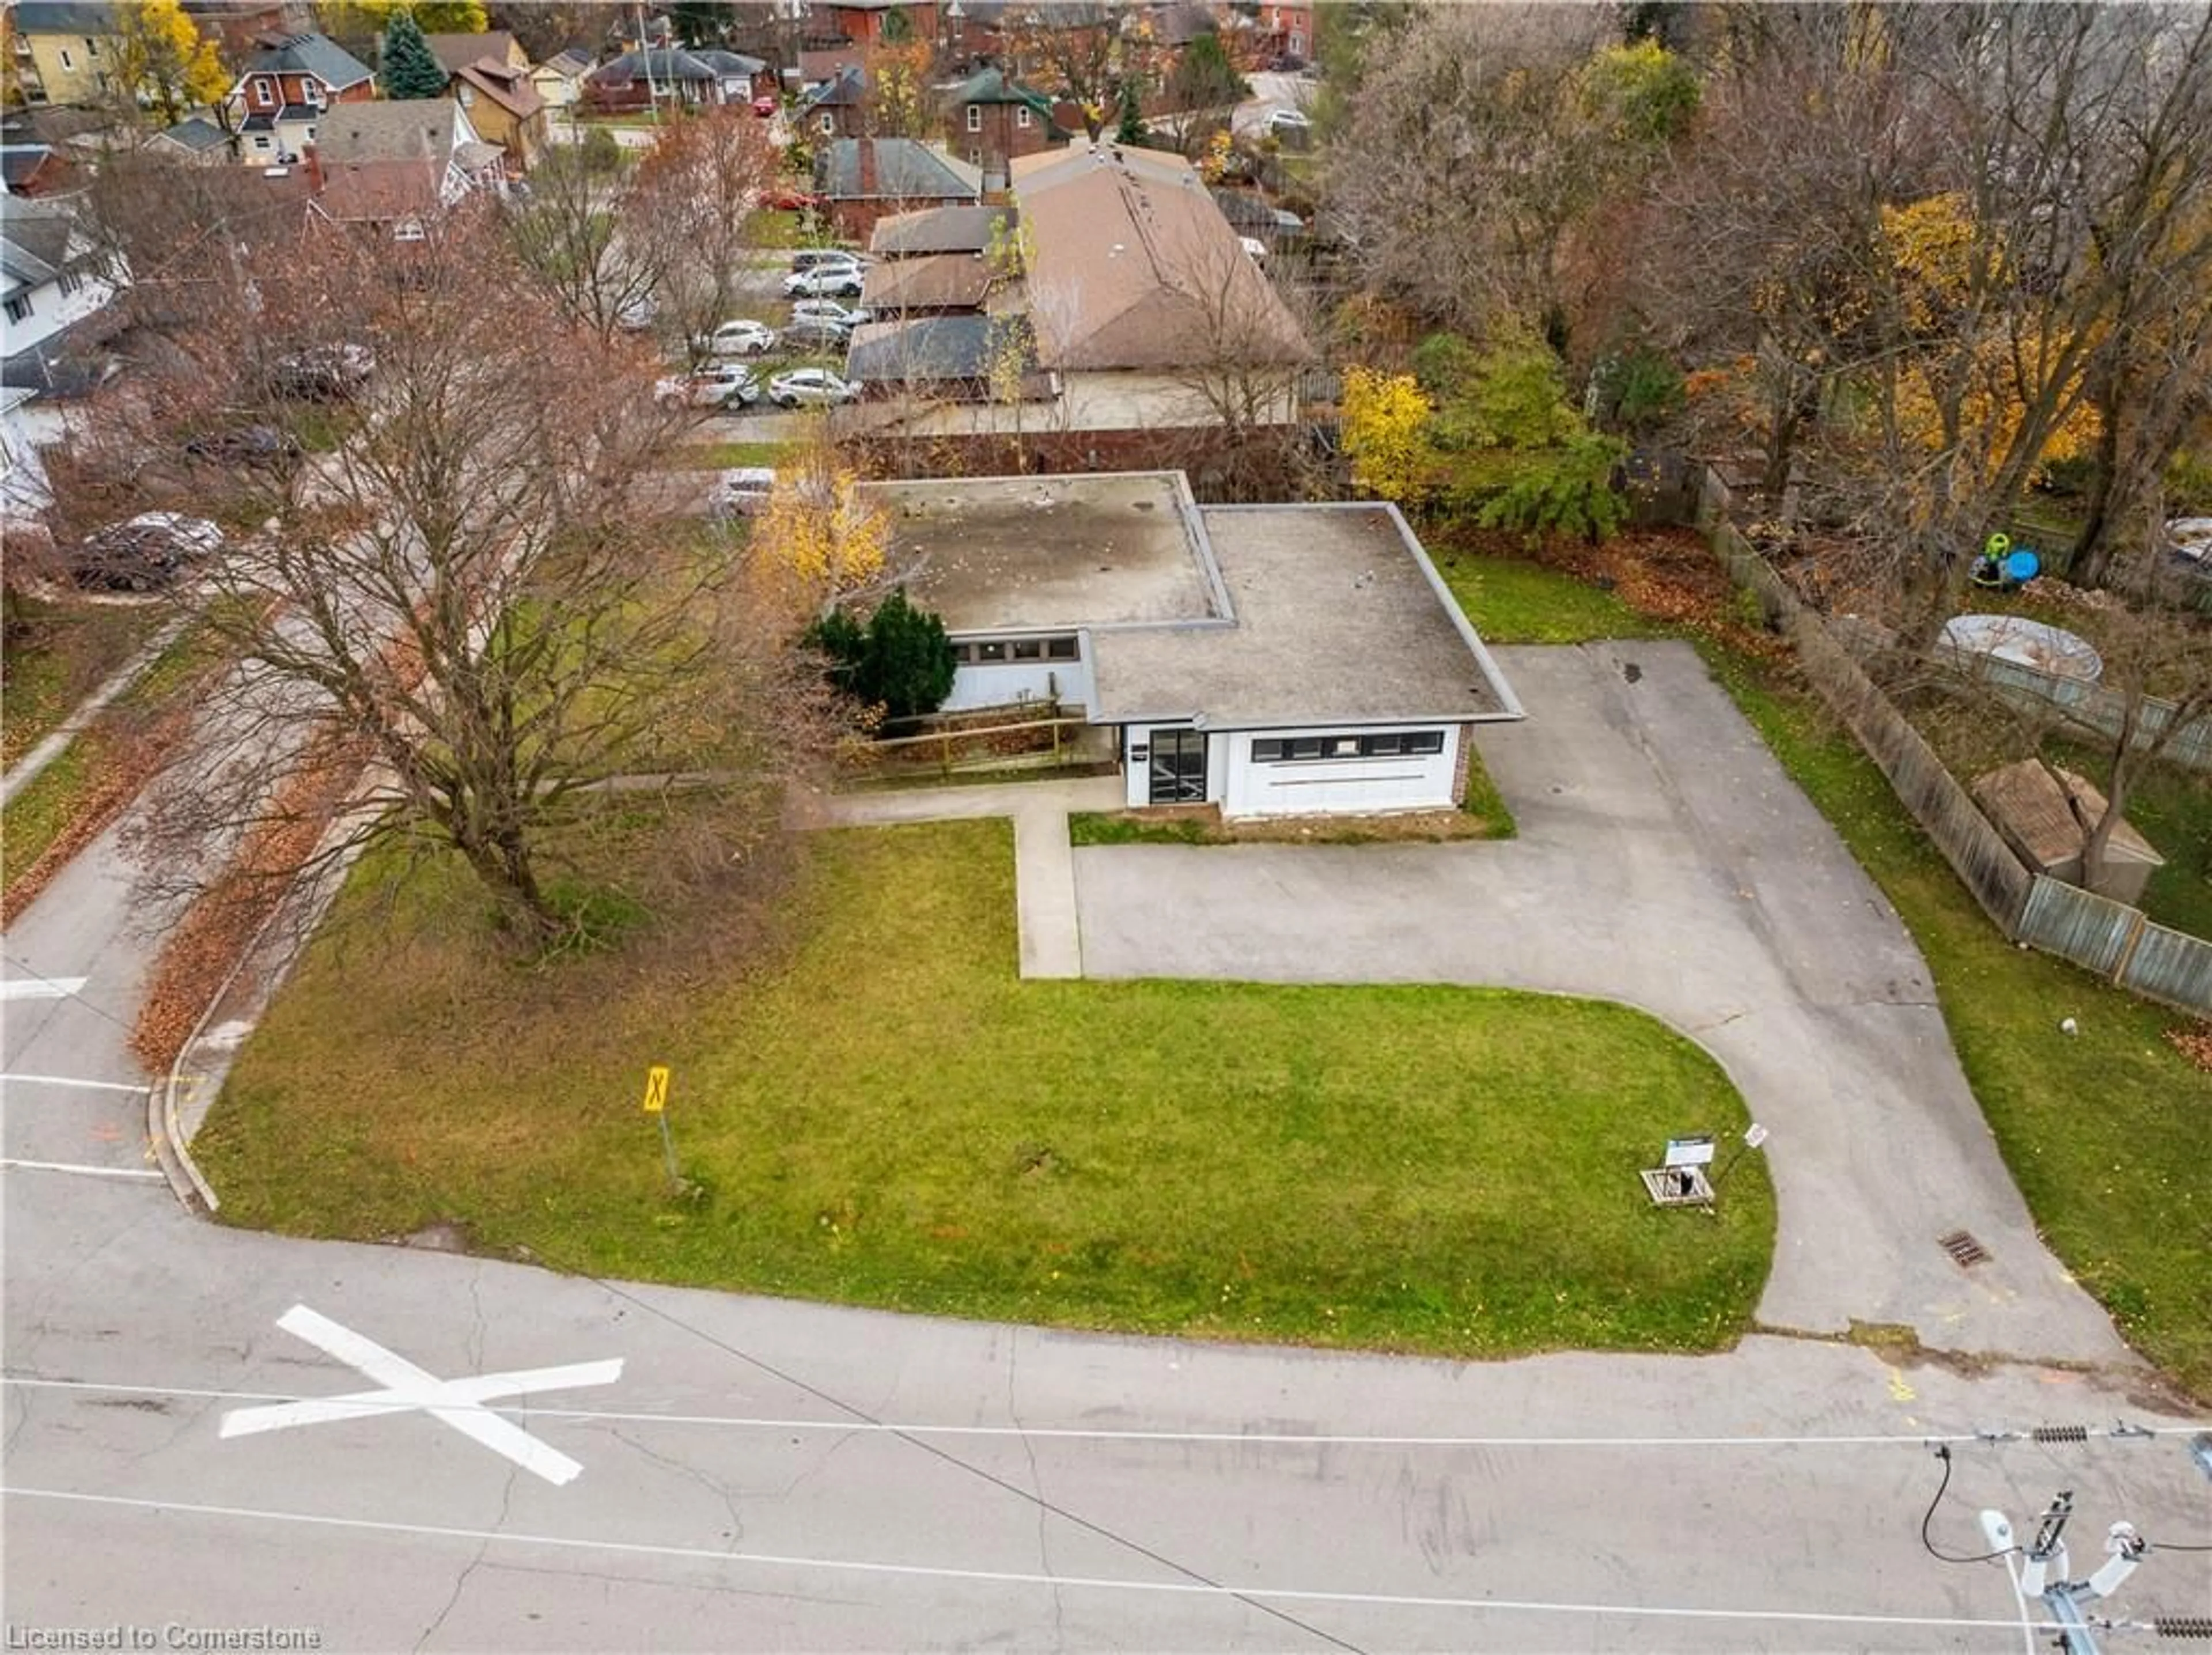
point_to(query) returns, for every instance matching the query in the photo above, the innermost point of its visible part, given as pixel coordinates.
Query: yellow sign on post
(656, 1104)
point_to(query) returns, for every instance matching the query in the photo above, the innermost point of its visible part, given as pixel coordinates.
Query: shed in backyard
(2028, 805)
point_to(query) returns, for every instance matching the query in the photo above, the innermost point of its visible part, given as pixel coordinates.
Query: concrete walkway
(1044, 865)
(1665, 860)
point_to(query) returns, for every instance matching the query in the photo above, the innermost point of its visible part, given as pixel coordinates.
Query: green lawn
(888, 1117)
(60, 653)
(36, 816)
(721, 456)
(44, 810)
(1511, 601)
(2109, 1131)
(2172, 809)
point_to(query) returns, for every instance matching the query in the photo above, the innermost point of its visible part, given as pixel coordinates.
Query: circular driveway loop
(1665, 859)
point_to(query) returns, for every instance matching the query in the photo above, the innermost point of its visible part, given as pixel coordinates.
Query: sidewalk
(1044, 865)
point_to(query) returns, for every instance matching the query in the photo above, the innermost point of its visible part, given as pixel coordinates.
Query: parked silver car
(811, 387)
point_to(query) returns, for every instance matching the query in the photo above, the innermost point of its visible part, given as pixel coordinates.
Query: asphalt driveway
(1665, 859)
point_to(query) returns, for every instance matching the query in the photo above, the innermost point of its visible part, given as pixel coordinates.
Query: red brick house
(861, 22)
(287, 86)
(863, 180)
(990, 119)
(1290, 30)
(838, 108)
(237, 25)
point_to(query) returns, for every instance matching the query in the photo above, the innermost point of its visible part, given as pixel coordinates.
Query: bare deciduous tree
(484, 591)
(1469, 152)
(692, 201)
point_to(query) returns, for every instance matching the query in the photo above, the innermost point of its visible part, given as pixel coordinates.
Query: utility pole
(2044, 1577)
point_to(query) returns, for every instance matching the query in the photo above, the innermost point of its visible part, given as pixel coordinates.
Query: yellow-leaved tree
(819, 543)
(1976, 370)
(161, 59)
(1385, 425)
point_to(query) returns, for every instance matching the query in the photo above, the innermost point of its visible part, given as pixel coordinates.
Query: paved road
(70, 1093)
(1666, 859)
(738, 1488)
(778, 1510)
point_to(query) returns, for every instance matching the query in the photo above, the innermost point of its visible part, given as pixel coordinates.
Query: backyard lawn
(886, 1115)
(2107, 1132)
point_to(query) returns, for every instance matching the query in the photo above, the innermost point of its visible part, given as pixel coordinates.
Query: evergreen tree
(410, 69)
(900, 659)
(1130, 133)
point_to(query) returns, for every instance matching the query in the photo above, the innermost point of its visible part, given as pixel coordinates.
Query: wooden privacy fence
(2109, 938)
(2118, 942)
(2096, 708)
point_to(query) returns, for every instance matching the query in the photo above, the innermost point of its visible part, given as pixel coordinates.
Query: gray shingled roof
(312, 54)
(196, 133)
(906, 170)
(407, 130)
(929, 348)
(64, 17)
(940, 229)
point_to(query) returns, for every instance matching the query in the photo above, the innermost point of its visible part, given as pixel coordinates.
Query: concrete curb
(204, 1061)
(27, 768)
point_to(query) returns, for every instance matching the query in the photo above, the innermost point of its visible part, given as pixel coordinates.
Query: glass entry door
(1178, 767)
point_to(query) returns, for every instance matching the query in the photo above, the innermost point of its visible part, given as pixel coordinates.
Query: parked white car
(816, 258)
(1283, 123)
(742, 337)
(811, 387)
(829, 310)
(710, 388)
(825, 281)
(741, 491)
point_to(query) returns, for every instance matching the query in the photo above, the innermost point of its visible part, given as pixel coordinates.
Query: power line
(1102, 1433)
(1023, 1578)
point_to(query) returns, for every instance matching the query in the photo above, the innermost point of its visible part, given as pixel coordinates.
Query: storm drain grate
(1964, 1250)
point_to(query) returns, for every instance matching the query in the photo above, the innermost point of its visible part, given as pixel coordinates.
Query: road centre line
(359, 1407)
(41, 987)
(82, 1171)
(70, 1081)
(1019, 1578)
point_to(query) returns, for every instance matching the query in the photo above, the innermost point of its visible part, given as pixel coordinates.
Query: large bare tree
(1474, 147)
(483, 594)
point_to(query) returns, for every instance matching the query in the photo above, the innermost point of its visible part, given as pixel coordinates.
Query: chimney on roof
(868, 167)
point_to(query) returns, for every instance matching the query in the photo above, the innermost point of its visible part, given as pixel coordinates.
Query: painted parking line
(69, 1080)
(10, 1164)
(41, 987)
(407, 1388)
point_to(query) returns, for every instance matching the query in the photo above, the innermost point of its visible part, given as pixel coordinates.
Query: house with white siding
(1271, 661)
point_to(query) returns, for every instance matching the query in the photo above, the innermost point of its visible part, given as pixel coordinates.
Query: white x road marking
(407, 1388)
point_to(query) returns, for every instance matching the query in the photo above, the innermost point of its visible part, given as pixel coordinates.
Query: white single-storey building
(1272, 660)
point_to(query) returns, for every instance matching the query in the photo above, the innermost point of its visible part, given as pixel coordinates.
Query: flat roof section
(1053, 553)
(1340, 618)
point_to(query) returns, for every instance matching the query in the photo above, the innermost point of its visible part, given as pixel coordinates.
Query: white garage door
(1311, 772)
